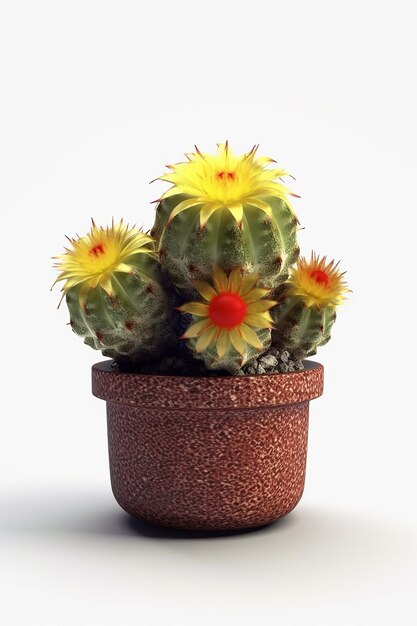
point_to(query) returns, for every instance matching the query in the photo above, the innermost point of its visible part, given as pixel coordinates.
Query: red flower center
(97, 250)
(226, 175)
(320, 277)
(227, 310)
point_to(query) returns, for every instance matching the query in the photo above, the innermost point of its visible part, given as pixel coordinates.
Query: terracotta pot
(207, 453)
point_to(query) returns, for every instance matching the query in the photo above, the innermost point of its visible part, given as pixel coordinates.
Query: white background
(96, 97)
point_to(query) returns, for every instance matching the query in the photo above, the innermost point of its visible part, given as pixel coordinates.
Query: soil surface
(270, 362)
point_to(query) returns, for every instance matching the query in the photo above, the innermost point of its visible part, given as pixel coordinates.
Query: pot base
(208, 470)
(181, 531)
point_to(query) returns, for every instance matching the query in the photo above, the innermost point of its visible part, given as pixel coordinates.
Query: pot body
(207, 453)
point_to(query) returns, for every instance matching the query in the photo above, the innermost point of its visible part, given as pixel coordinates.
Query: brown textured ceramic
(207, 453)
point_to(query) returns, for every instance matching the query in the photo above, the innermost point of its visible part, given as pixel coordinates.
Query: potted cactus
(207, 321)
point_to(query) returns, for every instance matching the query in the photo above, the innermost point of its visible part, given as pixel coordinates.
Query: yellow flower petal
(123, 267)
(82, 296)
(195, 308)
(94, 281)
(259, 204)
(105, 283)
(250, 337)
(223, 343)
(236, 209)
(169, 178)
(235, 280)
(205, 339)
(259, 320)
(248, 282)
(260, 306)
(255, 294)
(204, 289)
(237, 341)
(264, 161)
(272, 189)
(277, 173)
(206, 212)
(172, 191)
(182, 206)
(220, 279)
(196, 329)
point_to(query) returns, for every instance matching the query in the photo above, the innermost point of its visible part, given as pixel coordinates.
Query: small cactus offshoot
(307, 310)
(223, 252)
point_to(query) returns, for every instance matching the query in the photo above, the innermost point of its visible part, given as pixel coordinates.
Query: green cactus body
(263, 245)
(299, 328)
(329, 318)
(135, 322)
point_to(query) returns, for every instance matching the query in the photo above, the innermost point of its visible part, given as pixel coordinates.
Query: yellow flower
(231, 307)
(93, 259)
(224, 180)
(318, 283)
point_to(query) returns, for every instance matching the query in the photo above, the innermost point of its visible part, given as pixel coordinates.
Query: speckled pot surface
(207, 453)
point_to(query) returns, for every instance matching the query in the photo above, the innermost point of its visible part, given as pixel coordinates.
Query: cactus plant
(307, 305)
(115, 293)
(222, 252)
(229, 210)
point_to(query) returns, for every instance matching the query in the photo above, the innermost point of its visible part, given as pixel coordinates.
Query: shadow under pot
(207, 453)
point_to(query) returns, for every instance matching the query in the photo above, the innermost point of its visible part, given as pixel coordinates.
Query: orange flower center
(320, 277)
(227, 310)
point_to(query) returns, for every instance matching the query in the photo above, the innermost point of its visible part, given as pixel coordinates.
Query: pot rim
(206, 392)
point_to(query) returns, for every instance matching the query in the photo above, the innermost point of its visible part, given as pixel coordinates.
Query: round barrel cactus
(116, 293)
(231, 210)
